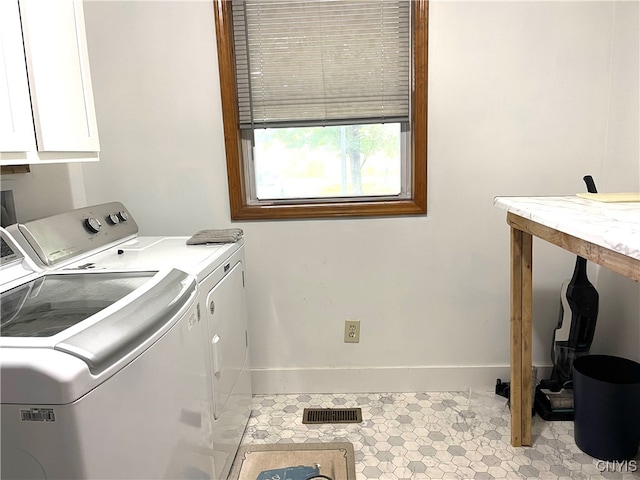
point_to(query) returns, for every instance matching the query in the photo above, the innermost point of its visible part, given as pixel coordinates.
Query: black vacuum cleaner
(572, 338)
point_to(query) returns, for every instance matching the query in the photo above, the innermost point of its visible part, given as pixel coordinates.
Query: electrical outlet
(352, 331)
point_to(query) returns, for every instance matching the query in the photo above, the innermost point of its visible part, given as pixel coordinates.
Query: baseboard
(380, 379)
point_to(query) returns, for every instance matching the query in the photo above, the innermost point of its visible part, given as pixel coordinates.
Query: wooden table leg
(520, 331)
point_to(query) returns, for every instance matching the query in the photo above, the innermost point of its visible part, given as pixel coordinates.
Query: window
(324, 106)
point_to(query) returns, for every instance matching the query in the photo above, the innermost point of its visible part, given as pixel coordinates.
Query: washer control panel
(65, 236)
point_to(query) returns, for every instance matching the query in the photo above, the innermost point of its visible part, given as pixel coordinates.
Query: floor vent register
(332, 415)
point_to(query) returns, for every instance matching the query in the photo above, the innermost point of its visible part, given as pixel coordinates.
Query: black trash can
(606, 395)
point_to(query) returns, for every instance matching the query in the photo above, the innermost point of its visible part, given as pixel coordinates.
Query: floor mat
(335, 460)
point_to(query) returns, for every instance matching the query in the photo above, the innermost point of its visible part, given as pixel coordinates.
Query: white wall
(45, 190)
(525, 98)
(157, 100)
(618, 330)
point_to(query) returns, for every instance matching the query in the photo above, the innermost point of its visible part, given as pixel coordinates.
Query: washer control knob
(92, 224)
(123, 215)
(113, 218)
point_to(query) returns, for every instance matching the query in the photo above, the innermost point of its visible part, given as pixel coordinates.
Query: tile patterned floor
(449, 435)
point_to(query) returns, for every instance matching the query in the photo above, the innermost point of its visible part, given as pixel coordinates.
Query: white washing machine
(97, 373)
(220, 271)
(223, 382)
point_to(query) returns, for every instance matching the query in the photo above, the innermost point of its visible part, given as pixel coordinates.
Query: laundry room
(523, 99)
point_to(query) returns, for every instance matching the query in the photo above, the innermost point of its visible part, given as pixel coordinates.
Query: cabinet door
(59, 78)
(16, 122)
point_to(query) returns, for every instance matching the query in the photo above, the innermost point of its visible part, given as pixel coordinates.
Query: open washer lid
(50, 304)
(64, 333)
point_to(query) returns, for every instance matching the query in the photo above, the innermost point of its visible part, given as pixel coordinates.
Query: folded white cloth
(223, 235)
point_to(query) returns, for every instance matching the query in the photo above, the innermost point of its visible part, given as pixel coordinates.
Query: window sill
(329, 210)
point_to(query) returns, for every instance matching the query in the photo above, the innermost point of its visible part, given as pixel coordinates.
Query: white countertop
(615, 226)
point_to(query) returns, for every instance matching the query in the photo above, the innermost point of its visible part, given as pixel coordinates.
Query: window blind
(322, 62)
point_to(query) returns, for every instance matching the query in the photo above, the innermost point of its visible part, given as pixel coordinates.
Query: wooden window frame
(241, 210)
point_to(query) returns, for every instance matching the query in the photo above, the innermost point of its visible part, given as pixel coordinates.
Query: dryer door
(226, 323)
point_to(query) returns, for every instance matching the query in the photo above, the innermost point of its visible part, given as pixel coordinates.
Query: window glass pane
(321, 162)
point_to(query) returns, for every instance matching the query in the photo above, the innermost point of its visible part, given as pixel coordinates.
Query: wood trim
(319, 210)
(617, 262)
(419, 97)
(11, 169)
(232, 140)
(241, 210)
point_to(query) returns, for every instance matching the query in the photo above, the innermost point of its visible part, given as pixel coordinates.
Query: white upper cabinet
(59, 78)
(50, 36)
(16, 122)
